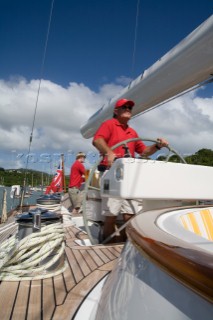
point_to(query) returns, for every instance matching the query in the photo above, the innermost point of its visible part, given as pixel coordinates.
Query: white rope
(44, 276)
(50, 207)
(30, 258)
(21, 268)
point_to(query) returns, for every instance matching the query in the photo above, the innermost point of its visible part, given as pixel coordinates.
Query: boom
(186, 65)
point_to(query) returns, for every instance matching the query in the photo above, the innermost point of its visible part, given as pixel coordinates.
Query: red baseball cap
(123, 102)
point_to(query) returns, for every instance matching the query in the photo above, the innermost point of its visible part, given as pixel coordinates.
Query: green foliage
(202, 157)
(33, 178)
(17, 176)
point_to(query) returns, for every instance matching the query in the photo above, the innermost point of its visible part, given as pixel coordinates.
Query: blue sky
(92, 41)
(90, 57)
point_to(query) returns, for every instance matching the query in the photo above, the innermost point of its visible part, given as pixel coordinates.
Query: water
(12, 203)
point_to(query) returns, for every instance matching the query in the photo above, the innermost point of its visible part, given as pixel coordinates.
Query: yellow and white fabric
(199, 222)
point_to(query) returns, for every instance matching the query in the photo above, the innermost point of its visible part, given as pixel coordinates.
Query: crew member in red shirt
(111, 132)
(77, 178)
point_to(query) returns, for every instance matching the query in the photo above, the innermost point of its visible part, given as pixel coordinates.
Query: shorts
(76, 197)
(115, 207)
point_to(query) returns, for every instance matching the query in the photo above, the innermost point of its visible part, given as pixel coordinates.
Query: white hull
(164, 272)
(140, 287)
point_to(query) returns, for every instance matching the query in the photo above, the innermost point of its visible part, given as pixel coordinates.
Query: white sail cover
(186, 65)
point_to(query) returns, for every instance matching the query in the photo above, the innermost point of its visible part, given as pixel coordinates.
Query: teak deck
(59, 297)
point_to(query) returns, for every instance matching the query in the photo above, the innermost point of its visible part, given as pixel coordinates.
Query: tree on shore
(202, 157)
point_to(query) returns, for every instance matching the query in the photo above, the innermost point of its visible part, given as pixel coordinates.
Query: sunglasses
(127, 108)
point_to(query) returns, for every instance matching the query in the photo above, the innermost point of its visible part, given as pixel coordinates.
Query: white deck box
(131, 178)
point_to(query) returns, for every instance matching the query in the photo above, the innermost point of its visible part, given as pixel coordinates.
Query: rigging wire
(41, 72)
(38, 92)
(135, 38)
(210, 80)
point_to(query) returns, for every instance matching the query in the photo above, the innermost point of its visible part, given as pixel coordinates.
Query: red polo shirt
(76, 172)
(113, 132)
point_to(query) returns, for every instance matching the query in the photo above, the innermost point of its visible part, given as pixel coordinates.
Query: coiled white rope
(30, 258)
(50, 207)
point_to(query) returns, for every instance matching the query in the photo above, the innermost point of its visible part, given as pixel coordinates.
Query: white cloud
(187, 122)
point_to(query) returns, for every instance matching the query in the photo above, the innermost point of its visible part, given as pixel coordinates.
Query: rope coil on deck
(50, 207)
(30, 258)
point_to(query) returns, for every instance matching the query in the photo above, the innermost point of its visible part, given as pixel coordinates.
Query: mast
(42, 179)
(63, 173)
(4, 207)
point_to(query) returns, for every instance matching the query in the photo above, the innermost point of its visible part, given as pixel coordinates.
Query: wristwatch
(157, 147)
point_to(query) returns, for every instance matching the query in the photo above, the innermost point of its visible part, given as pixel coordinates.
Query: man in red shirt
(111, 132)
(77, 177)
